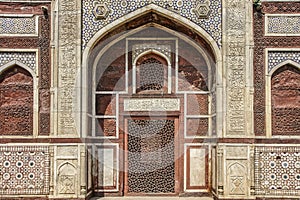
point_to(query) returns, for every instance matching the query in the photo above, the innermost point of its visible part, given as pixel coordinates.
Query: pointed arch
(71, 169)
(16, 63)
(26, 125)
(287, 62)
(269, 97)
(164, 12)
(148, 52)
(121, 25)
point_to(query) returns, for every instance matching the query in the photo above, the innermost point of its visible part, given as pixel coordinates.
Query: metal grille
(151, 156)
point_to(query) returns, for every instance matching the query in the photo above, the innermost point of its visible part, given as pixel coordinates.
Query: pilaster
(69, 60)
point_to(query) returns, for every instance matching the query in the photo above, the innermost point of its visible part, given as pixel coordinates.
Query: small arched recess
(18, 99)
(283, 100)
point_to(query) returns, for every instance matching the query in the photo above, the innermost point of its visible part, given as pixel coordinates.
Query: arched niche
(67, 178)
(111, 65)
(285, 100)
(151, 74)
(17, 101)
(191, 72)
(116, 33)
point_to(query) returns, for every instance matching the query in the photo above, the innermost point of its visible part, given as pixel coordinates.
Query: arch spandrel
(155, 15)
(116, 11)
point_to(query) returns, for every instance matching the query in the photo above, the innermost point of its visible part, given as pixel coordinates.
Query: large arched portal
(151, 109)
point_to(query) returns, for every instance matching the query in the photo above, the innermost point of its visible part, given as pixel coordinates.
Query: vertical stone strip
(69, 62)
(235, 58)
(220, 166)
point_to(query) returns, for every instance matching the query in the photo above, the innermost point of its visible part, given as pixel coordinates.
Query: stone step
(152, 198)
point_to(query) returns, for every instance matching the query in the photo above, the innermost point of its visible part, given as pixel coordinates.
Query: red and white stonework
(135, 98)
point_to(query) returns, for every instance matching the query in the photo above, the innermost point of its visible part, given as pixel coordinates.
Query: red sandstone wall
(41, 42)
(261, 43)
(16, 102)
(286, 101)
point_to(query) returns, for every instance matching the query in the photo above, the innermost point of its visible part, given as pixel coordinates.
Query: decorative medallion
(100, 11)
(202, 10)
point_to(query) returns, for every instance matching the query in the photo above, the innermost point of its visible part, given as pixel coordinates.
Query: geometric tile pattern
(119, 8)
(277, 57)
(20, 25)
(283, 24)
(277, 171)
(27, 58)
(24, 170)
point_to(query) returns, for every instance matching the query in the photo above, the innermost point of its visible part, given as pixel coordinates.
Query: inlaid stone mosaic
(24, 170)
(27, 58)
(99, 13)
(283, 24)
(277, 57)
(277, 171)
(18, 25)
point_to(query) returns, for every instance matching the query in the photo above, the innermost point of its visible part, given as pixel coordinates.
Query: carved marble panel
(67, 178)
(67, 151)
(236, 54)
(236, 177)
(236, 152)
(152, 104)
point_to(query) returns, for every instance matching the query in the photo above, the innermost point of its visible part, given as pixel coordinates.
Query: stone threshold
(152, 198)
